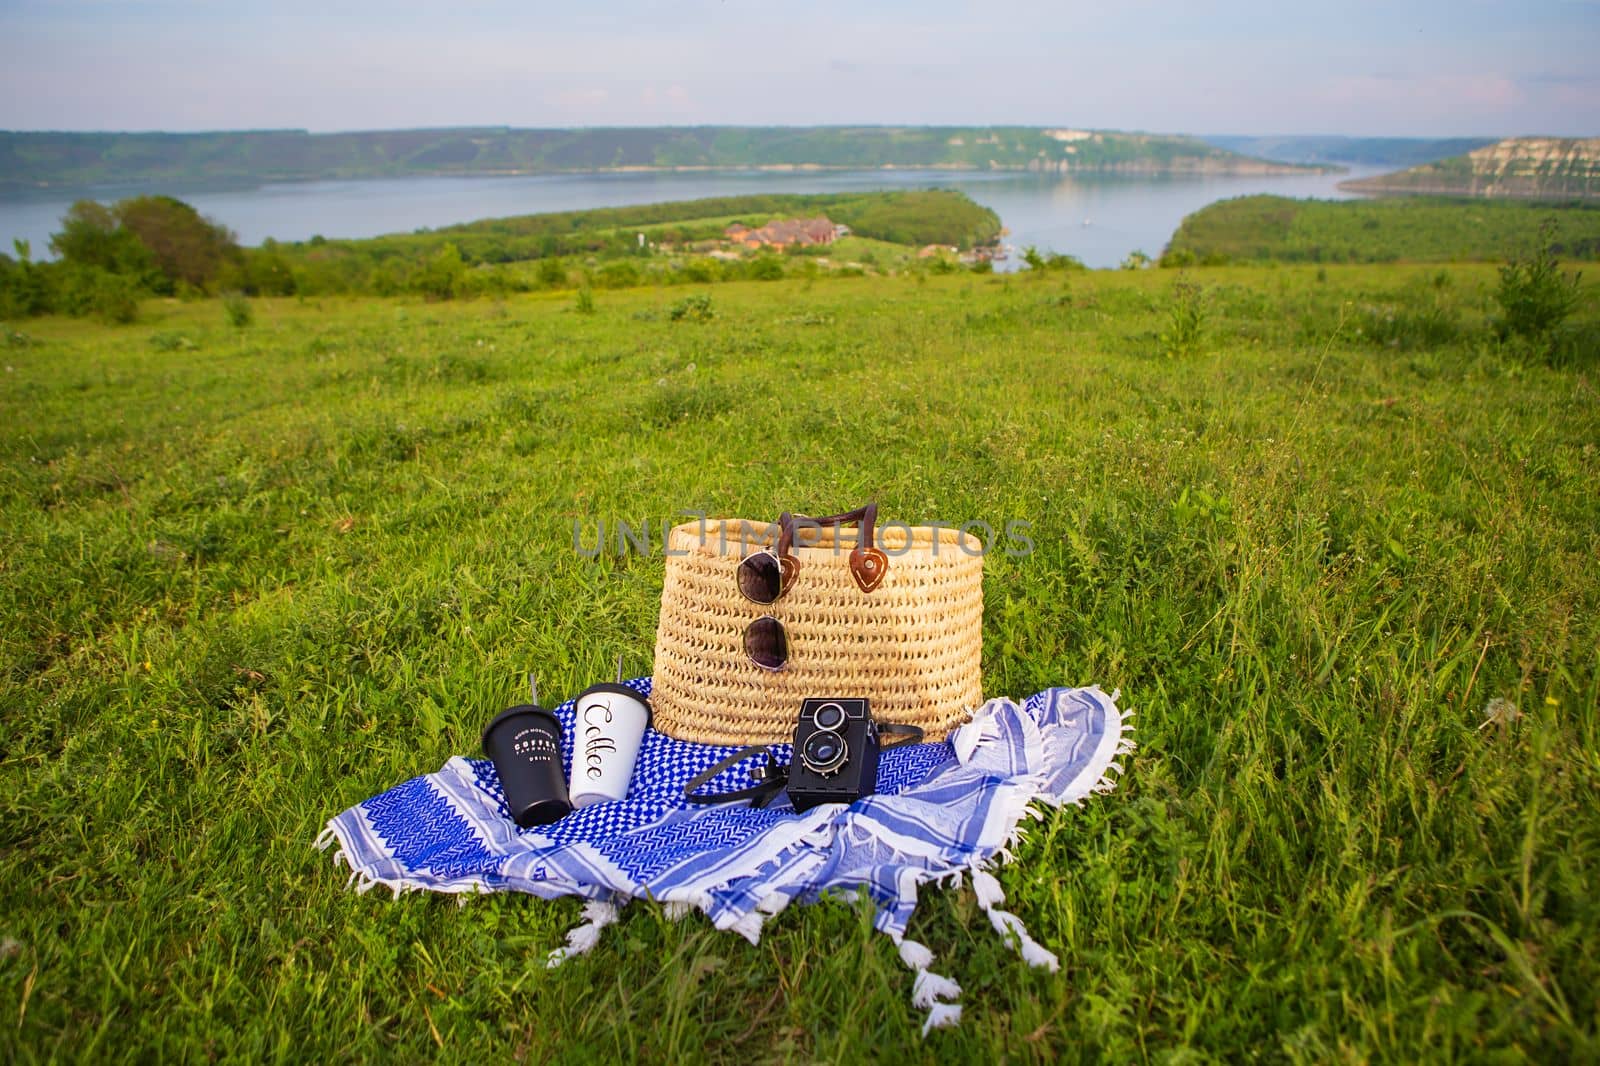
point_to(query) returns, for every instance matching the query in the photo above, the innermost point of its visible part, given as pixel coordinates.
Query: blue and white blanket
(942, 810)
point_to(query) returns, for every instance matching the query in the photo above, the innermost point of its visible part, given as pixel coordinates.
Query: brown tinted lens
(766, 643)
(760, 577)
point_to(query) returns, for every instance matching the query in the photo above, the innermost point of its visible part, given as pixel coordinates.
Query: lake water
(1098, 218)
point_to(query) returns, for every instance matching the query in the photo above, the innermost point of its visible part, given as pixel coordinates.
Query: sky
(1458, 68)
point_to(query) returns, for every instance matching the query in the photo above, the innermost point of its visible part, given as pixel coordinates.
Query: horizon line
(504, 128)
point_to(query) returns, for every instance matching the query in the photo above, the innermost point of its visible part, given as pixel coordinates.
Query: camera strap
(773, 776)
(909, 734)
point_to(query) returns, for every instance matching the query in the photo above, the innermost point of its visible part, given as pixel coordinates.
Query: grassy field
(1312, 522)
(1416, 230)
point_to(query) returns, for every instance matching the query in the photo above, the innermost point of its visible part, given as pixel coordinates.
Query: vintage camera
(835, 753)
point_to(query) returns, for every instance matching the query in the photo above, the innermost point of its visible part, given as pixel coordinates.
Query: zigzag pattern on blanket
(420, 825)
(944, 810)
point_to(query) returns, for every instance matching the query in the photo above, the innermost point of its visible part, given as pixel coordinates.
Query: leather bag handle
(868, 565)
(865, 518)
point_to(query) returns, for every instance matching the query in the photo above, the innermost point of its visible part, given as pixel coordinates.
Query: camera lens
(829, 716)
(824, 753)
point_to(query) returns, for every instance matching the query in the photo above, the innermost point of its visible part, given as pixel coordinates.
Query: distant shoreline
(41, 161)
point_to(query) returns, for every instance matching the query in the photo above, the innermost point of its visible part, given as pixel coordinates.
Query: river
(1098, 218)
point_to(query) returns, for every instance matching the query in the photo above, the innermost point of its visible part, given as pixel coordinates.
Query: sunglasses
(767, 573)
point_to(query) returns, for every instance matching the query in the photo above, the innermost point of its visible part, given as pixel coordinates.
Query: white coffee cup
(608, 725)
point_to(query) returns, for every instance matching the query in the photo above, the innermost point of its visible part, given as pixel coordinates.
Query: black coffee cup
(525, 746)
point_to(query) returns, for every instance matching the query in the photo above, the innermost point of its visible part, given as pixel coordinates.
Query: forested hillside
(1371, 151)
(76, 159)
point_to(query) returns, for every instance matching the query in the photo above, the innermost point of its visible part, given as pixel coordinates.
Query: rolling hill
(45, 159)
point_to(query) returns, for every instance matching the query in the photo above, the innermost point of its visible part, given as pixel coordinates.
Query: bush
(766, 268)
(696, 308)
(584, 304)
(1186, 318)
(263, 271)
(87, 290)
(494, 281)
(700, 271)
(22, 286)
(619, 274)
(388, 278)
(1535, 297)
(116, 300)
(444, 277)
(237, 308)
(552, 273)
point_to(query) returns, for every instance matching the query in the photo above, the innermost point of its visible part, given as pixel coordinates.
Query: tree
(91, 236)
(187, 246)
(155, 242)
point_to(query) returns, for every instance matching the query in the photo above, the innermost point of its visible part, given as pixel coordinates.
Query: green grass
(1418, 230)
(255, 575)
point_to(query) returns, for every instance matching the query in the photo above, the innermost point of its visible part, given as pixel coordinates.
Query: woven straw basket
(912, 646)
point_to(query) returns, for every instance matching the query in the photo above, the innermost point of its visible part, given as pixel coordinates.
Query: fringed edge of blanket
(930, 991)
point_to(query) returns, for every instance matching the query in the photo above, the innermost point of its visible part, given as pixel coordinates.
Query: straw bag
(892, 614)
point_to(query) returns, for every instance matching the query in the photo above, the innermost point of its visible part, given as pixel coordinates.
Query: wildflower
(1501, 712)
